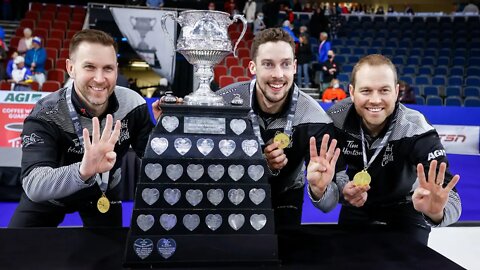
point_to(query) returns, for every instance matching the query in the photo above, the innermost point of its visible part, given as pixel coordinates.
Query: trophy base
(206, 250)
(208, 99)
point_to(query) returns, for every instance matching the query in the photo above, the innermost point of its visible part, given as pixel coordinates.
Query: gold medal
(362, 178)
(103, 204)
(282, 139)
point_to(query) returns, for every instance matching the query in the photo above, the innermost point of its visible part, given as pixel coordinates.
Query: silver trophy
(204, 42)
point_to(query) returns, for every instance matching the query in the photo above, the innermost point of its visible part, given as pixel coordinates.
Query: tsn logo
(452, 137)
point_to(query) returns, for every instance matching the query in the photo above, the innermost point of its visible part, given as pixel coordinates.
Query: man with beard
(387, 150)
(64, 170)
(284, 118)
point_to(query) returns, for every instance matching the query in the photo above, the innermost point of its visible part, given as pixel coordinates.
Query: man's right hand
(99, 155)
(321, 168)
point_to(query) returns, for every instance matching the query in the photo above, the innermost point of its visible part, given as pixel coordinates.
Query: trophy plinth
(203, 196)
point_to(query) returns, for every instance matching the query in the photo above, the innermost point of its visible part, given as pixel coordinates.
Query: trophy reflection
(204, 42)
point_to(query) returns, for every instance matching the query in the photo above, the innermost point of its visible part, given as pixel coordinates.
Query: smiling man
(386, 149)
(64, 170)
(284, 119)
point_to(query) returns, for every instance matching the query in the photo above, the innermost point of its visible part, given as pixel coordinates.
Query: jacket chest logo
(388, 155)
(352, 149)
(124, 133)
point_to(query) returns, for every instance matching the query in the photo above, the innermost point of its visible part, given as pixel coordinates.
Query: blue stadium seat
(434, 101)
(340, 59)
(398, 60)
(419, 100)
(359, 51)
(431, 91)
(387, 52)
(353, 59)
(472, 81)
(343, 77)
(456, 71)
(416, 52)
(453, 91)
(473, 71)
(430, 52)
(345, 51)
(407, 79)
(425, 71)
(401, 52)
(427, 61)
(453, 101)
(413, 60)
(471, 91)
(422, 80)
(459, 61)
(409, 70)
(443, 61)
(373, 51)
(455, 81)
(471, 102)
(443, 71)
(347, 68)
(473, 62)
(439, 80)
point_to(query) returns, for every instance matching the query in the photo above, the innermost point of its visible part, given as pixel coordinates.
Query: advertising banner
(14, 108)
(459, 139)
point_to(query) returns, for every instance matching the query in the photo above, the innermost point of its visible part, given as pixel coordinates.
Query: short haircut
(91, 36)
(373, 60)
(271, 35)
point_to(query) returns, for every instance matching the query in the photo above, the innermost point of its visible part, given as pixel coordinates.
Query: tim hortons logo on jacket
(388, 155)
(351, 149)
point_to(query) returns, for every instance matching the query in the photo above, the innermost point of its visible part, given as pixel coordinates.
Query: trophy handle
(164, 26)
(244, 22)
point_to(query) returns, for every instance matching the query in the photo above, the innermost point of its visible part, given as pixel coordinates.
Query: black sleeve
(141, 129)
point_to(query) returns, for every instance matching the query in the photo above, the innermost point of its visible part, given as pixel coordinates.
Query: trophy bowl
(204, 42)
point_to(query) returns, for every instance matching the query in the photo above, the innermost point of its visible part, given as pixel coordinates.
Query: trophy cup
(203, 195)
(204, 42)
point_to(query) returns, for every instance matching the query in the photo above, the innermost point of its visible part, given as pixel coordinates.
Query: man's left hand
(157, 111)
(430, 197)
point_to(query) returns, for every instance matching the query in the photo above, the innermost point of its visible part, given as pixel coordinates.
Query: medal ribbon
(383, 142)
(254, 118)
(77, 126)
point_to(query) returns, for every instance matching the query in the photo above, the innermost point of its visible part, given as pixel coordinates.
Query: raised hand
(321, 168)
(276, 158)
(99, 156)
(430, 197)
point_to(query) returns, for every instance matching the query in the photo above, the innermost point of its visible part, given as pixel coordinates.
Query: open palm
(430, 197)
(99, 155)
(321, 168)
